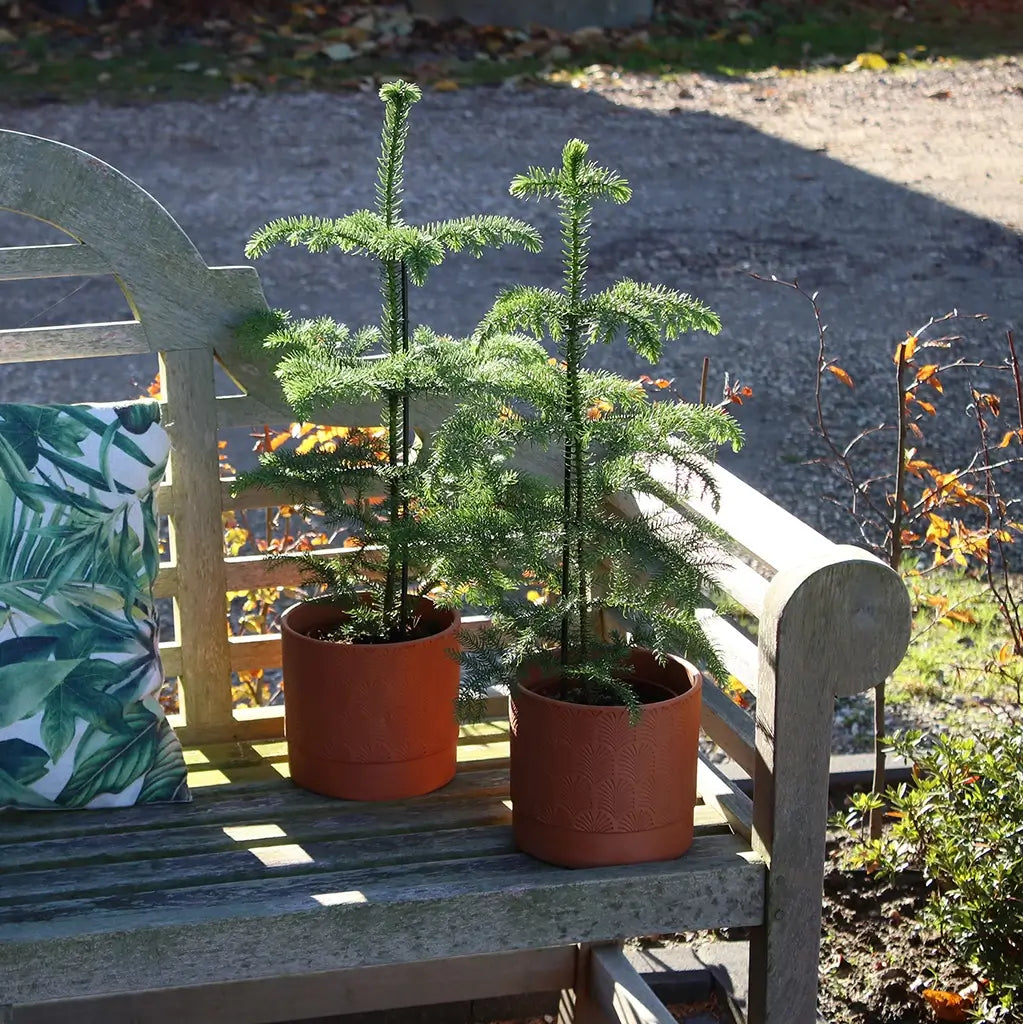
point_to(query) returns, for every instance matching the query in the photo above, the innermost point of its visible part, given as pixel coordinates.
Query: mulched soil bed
(877, 961)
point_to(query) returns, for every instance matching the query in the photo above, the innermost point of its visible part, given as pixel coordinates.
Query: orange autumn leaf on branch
(905, 349)
(840, 374)
(987, 401)
(929, 375)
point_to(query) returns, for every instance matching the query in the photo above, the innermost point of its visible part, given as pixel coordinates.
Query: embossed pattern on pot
(583, 775)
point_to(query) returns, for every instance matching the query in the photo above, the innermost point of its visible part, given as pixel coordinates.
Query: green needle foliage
(579, 554)
(418, 534)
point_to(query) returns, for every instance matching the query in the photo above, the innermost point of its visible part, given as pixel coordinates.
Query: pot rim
(456, 619)
(695, 687)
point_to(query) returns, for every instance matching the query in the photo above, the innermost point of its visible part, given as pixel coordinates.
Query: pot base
(393, 780)
(568, 848)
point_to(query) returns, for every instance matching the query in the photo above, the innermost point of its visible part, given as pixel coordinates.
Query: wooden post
(578, 1004)
(197, 539)
(837, 626)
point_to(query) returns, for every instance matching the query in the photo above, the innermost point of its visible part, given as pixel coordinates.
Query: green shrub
(961, 824)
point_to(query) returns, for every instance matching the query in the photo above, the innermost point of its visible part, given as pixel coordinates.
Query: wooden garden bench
(262, 902)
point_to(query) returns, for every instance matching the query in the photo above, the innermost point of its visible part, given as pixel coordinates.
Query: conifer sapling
(579, 554)
(398, 551)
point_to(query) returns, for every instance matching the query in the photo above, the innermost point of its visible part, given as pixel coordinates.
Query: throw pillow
(80, 722)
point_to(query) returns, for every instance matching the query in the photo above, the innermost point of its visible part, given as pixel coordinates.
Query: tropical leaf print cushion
(80, 724)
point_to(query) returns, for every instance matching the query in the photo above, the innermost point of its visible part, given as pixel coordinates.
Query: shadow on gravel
(713, 201)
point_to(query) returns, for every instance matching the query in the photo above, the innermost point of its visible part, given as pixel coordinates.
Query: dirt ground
(898, 195)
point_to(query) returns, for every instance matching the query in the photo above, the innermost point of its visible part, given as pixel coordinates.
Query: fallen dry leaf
(867, 62)
(946, 1005)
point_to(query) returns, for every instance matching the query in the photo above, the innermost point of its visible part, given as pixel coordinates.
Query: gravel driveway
(898, 196)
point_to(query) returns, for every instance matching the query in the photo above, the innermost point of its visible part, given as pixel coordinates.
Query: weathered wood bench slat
(622, 994)
(227, 805)
(308, 827)
(735, 577)
(312, 860)
(75, 341)
(764, 530)
(391, 914)
(724, 797)
(37, 893)
(737, 650)
(28, 262)
(319, 994)
(731, 728)
(740, 581)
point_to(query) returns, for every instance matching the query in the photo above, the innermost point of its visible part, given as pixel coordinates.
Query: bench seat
(258, 879)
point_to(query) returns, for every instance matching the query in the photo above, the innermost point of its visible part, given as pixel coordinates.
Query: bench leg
(577, 1005)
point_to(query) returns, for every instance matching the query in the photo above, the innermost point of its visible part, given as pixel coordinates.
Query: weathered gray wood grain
(623, 995)
(272, 801)
(724, 797)
(835, 625)
(578, 1004)
(728, 725)
(401, 915)
(737, 651)
(324, 993)
(313, 825)
(75, 341)
(308, 825)
(764, 530)
(288, 856)
(197, 539)
(181, 302)
(740, 581)
(29, 262)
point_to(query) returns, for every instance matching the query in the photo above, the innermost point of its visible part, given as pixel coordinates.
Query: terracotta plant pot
(370, 721)
(588, 789)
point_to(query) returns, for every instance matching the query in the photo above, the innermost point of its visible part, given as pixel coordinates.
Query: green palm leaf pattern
(79, 662)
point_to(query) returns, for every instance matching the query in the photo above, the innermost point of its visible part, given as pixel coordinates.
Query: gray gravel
(898, 195)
